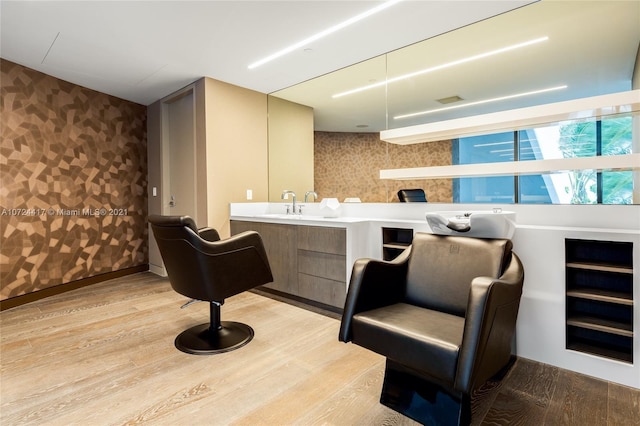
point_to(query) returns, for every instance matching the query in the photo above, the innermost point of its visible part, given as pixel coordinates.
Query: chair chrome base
(201, 340)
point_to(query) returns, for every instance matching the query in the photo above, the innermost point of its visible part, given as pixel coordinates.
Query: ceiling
(591, 48)
(144, 50)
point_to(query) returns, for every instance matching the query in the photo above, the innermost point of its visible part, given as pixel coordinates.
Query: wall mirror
(545, 52)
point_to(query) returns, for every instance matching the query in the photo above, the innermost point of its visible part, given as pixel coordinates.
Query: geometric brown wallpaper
(349, 164)
(73, 170)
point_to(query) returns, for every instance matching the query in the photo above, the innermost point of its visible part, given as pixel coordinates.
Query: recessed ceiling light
(484, 101)
(324, 33)
(443, 66)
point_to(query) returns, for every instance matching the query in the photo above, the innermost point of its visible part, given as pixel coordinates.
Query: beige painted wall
(290, 148)
(158, 159)
(231, 152)
(154, 158)
(236, 148)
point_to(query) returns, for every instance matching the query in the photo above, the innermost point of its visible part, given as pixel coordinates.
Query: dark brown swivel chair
(412, 196)
(443, 314)
(203, 267)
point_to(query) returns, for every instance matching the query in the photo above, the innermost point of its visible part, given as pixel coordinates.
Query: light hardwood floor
(104, 355)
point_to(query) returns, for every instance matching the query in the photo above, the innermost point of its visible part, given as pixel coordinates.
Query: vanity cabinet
(322, 264)
(280, 244)
(599, 298)
(306, 261)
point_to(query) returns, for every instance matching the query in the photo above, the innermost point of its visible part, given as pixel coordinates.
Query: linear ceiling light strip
(324, 33)
(443, 66)
(483, 101)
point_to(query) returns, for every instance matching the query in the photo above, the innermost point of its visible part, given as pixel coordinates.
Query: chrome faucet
(285, 196)
(313, 193)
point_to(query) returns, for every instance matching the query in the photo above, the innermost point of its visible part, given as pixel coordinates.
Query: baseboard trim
(12, 302)
(158, 270)
(301, 302)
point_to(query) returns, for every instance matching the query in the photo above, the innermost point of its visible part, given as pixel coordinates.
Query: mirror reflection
(546, 52)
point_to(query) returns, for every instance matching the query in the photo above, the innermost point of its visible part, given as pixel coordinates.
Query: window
(610, 136)
(484, 149)
(617, 187)
(562, 140)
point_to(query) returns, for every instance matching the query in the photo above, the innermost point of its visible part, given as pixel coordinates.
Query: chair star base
(201, 340)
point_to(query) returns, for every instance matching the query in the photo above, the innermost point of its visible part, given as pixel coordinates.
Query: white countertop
(604, 218)
(312, 215)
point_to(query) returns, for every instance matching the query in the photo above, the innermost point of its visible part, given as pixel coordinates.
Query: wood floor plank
(578, 399)
(105, 355)
(483, 398)
(352, 404)
(624, 406)
(319, 384)
(524, 396)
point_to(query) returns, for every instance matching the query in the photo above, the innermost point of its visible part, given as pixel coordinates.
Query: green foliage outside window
(617, 187)
(580, 140)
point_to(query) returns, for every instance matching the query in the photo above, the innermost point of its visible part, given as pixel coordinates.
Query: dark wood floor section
(104, 355)
(533, 393)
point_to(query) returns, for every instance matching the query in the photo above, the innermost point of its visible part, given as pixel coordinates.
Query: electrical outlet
(249, 194)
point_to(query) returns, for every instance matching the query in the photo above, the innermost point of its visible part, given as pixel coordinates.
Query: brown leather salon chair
(412, 196)
(203, 267)
(443, 314)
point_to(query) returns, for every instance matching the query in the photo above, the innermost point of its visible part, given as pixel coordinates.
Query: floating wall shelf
(602, 163)
(516, 119)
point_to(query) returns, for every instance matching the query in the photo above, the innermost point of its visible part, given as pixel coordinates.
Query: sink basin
(291, 216)
(479, 224)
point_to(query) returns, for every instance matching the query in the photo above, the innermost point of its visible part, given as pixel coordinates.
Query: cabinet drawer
(279, 243)
(322, 290)
(326, 240)
(323, 265)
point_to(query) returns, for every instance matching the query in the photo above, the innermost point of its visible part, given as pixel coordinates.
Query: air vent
(450, 99)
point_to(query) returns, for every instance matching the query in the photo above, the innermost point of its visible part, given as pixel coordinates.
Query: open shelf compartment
(599, 298)
(395, 241)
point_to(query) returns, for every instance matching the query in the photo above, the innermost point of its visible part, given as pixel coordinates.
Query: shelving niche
(395, 241)
(599, 298)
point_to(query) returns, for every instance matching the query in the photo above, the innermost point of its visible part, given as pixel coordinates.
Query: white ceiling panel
(144, 50)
